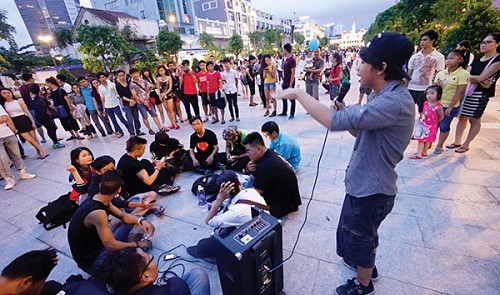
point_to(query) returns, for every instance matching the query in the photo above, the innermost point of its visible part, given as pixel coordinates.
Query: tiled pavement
(443, 236)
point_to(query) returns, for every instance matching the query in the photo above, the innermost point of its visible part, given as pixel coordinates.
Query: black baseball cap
(392, 48)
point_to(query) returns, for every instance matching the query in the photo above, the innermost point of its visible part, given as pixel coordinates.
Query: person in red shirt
(203, 86)
(214, 81)
(335, 76)
(189, 96)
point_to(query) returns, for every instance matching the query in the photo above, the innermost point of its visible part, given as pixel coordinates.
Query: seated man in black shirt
(134, 272)
(169, 148)
(89, 234)
(203, 147)
(274, 178)
(27, 274)
(142, 176)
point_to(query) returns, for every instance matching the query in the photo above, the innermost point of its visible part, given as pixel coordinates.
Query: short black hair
(101, 74)
(251, 57)
(432, 34)
(81, 78)
(437, 88)
(226, 60)
(210, 63)
(37, 264)
(61, 77)
(288, 47)
(134, 141)
(111, 181)
(269, 127)
(35, 89)
(202, 62)
(254, 139)
(162, 137)
(102, 161)
(122, 269)
(170, 63)
(464, 54)
(194, 118)
(465, 43)
(133, 70)
(185, 62)
(377, 63)
(27, 76)
(120, 71)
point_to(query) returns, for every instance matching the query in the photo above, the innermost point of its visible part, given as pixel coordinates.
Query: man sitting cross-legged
(203, 147)
(89, 233)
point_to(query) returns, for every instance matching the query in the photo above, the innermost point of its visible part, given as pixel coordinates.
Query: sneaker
(168, 189)
(25, 176)
(354, 267)
(291, 117)
(140, 133)
(354, 287)
(10, 183)
(119, 135)
(111, 133)
(58, 146)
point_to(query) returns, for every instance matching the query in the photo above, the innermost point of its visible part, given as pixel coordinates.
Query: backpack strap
(249, 202)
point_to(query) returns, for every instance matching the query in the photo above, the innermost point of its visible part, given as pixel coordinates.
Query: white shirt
(14, 108)
(67, 88)
(4, 129)
(237, 214)
(424, 69)
(230, 78)
(109, 94)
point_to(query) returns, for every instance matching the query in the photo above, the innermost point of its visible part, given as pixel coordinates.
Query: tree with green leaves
(20, 60)
(235, 44)
(146, 58)
(270, 38)
(6, 30)
(102, 46)
(63, 37)
(71, 79)
(206, 41)
(256, 38)
(299, 38)
(169, 43)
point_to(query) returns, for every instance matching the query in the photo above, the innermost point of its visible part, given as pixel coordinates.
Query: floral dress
(427, 125)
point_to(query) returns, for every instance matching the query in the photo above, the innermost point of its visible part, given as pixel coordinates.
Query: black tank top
(84, 242)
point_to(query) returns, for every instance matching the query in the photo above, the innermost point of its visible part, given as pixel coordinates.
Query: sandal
(453, 146)
(40, 157)
(424, 155)
(223, 122)
(438, 151)
(177, 126)
(415, 157)
(158, 212)
(461, 150)
(266, 114)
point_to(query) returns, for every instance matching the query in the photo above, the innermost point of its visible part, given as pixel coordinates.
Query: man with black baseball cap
(383, 129)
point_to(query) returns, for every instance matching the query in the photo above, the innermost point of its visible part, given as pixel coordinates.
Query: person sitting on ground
(144, 176)
(234, 158)
(274, 177)
(170, 148)
(283, 144)
(238, 212)
(139, 204)
(27, 274)
(81, 171)
(90, 235)
(134, 272)
(203, 146)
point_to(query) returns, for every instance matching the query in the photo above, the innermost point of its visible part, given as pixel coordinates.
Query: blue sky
(323, 11)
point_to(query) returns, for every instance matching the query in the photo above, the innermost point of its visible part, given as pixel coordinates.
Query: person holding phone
(239, 211)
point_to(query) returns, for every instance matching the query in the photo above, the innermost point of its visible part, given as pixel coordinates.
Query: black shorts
(204, 98)
(357, 236)
(419, 99)
(219, 103)
(251, 85)
(69, 124)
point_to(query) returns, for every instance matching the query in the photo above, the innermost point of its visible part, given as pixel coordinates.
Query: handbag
(472, 86)
(60, 108)
(52, 113)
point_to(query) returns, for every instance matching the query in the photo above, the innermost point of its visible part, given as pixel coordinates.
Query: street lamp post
(47, 39)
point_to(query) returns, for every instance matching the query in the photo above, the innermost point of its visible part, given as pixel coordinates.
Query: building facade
(308, 27)
(44, 17)
(172, 15)
(350, 39)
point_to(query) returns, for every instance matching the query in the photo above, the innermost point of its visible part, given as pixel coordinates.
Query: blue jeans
(197, 281)
(144, 110)
(334, 91)
(444, 125)
(117, 112)
(132, 114)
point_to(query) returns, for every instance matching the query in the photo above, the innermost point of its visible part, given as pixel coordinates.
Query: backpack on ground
(57, 212)
(208, 182)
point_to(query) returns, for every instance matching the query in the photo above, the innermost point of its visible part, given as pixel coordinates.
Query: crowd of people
(394, 79)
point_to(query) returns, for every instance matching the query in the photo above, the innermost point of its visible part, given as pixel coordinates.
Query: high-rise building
(44, 17)
(172, 15)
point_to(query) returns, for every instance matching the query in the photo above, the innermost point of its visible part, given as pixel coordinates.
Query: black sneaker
(354, 287)
(282, 115)
(354, 267)
(140, 133)
(168, 189)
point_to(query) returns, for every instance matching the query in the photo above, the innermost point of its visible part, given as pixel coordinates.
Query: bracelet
(140, 220)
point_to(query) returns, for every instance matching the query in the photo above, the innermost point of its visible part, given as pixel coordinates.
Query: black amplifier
(246, 256)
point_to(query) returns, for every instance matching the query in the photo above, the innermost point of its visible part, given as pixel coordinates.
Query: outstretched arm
(318, 111)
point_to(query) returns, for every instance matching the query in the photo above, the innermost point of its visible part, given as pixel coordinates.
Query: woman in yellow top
(454, 80)
(269, 73)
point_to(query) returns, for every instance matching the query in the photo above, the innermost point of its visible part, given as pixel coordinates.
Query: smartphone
(169, 257)
(152, 201)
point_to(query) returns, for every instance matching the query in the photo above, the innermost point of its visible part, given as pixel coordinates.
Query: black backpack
(57, 212)
(208, 182)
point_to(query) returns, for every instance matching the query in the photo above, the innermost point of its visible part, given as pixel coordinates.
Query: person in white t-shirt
(9, 146)
(423, 66)
(111, 102)
(239, 211)
(64, 85)
(230, 76)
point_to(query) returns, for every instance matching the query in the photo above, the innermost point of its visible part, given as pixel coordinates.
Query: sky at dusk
(323, 11)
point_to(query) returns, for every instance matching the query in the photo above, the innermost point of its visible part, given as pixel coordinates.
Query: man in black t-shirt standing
(129, 104)
(203, 146)
(274, 178)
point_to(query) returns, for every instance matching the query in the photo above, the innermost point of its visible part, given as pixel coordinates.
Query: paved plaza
(442, 237)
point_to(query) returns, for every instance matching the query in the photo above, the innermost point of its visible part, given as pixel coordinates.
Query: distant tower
(353, 29)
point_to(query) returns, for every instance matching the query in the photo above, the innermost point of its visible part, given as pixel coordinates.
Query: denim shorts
(269, 86)
(144, 110)
(444, 125)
